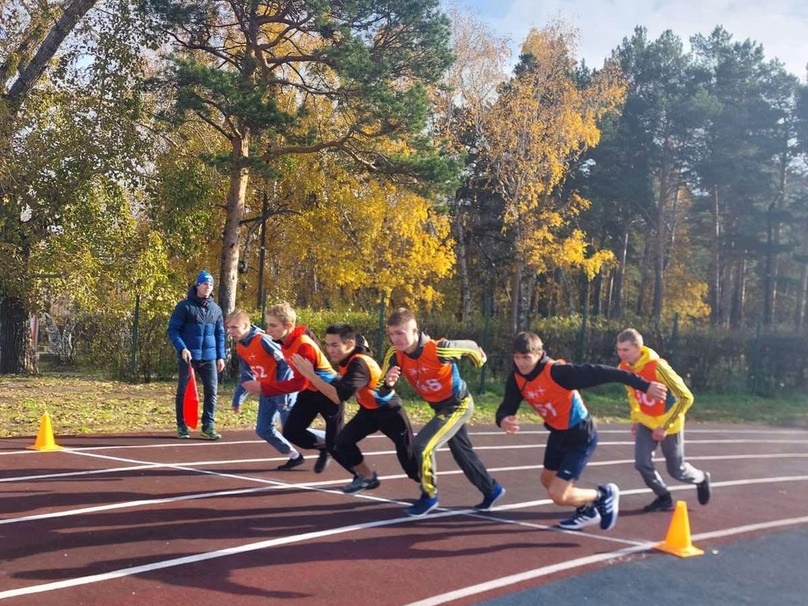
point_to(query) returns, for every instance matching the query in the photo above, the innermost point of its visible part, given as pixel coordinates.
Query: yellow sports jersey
(668, 414)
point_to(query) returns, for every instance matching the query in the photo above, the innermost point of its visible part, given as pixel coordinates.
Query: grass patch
(89, 405)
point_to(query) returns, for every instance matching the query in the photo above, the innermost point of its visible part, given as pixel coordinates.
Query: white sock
(293, 454)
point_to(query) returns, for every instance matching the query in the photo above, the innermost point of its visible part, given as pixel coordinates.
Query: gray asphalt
(768, 570)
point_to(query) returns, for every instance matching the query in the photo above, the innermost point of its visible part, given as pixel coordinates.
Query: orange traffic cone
(677, 540)
(44, 439)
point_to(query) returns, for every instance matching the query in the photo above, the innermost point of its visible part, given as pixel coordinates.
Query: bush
(709, 359)
(105, 343)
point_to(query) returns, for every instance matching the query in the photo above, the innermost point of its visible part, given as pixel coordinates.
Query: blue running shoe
(492, 497)
(608, 505)
(422, 506)
(584, 516)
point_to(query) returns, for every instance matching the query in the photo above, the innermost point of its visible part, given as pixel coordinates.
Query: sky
(780, 26)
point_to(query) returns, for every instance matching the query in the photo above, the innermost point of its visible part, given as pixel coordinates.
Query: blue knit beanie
(204, 276)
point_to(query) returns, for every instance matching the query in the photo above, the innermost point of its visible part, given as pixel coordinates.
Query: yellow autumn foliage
(345, 238)
(543, 120)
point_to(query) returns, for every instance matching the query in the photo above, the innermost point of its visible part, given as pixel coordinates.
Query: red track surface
(147, 519)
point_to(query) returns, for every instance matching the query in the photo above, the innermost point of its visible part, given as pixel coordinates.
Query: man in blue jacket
(196, 330)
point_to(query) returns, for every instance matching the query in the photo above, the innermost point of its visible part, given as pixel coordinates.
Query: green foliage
(300, 78)
(372, 56)
(197, 84)
(69, 149)
(106, 345)
(100, 203)
(181, 203)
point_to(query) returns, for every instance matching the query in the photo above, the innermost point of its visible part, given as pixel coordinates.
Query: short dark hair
(527, 343)
(345, 331)
(400, 316)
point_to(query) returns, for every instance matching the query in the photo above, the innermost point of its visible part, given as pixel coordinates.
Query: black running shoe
(660, 504)
(291, 464)
(703, 489)
(322, 461)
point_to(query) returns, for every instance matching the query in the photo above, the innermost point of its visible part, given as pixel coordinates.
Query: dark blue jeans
(207, 375)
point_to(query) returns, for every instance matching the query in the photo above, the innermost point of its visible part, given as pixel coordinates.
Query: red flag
(190, 402)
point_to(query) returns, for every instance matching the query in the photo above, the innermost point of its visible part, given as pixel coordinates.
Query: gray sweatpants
(673, 449)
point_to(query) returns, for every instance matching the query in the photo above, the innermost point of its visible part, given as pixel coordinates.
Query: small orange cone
(44, 439)
(677, 540)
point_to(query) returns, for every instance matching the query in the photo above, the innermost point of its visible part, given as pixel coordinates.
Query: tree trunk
(610, 294)
(659, 249)
(516, 295)
(739, 295)
(715, 275)
(641, 307)
(528, 282)
(799, 315)
(462, 263)
(769, 269)
(597, 293)
(659, 265)
(32, 72)
(727, 288)
(17, 355)
(619, 273)
(773, 244)
(239, 178)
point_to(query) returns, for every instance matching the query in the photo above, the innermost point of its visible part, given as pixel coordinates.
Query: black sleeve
(355, 378)
(581, 376)
(510, 401)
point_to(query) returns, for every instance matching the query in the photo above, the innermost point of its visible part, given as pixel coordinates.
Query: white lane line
(191, 466)
(321, 487)
(725, 429)
(525, 432)
(217, 462)
(176, 444)
(272, 485)
(86, 472)
(201, 557)
(636, 491)
(631, 443)
(330, 532)
(728, 532)
(552, 528)
(528, 575)
(536, 573)
(139, 503)
(468, 591)
(625, 428)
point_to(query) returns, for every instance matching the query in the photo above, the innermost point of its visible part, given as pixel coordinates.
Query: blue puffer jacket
(197, 325)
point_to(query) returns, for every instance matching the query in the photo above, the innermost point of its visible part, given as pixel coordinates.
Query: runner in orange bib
(551, 387)
(430, 366)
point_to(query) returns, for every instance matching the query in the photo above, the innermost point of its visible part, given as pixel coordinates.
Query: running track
(146, 519)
